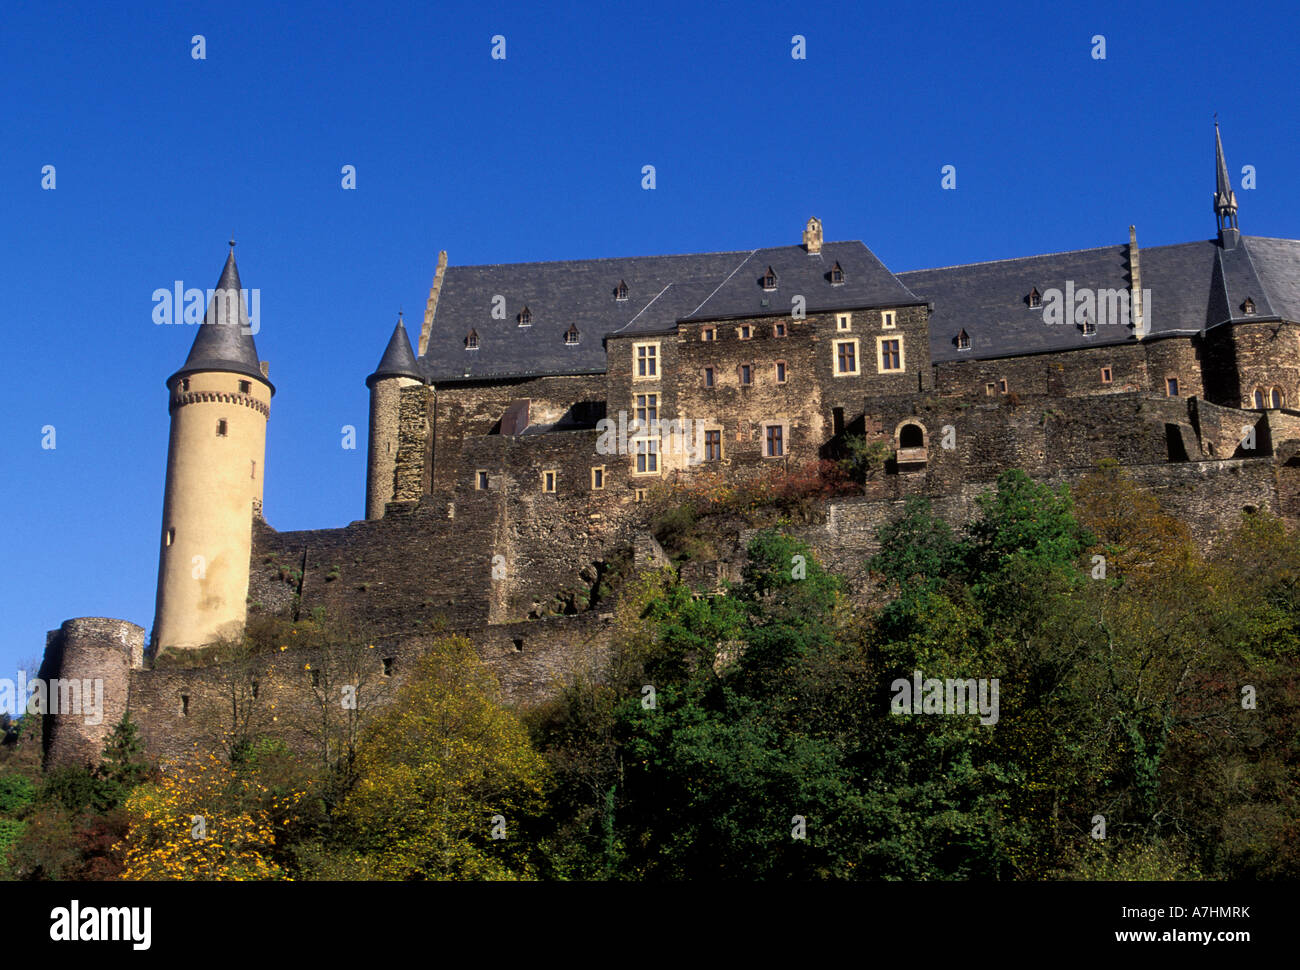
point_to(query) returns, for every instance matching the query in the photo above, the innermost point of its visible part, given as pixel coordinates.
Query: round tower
(219, 402)
(397, 369)
(85, 683)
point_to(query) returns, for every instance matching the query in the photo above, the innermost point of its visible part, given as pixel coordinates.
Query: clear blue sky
(160, 157)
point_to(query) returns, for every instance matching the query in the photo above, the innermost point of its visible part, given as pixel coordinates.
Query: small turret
(397, 369)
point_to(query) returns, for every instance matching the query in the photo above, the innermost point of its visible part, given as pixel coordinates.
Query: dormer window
(1089, 328)
(571, 335)
(837, 274)
(620, 292)
(769, 279)
(1035, 299)
(1248, 306)
(471, 340)
(963, 341)
(525, 317)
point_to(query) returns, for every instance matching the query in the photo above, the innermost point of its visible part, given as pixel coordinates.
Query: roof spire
(398, 359)
(1225, 200)
(224, 341)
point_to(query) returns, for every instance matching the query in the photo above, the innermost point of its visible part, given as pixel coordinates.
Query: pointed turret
(1225, 200)
(397, 369)
(225, 338)
(398, 359)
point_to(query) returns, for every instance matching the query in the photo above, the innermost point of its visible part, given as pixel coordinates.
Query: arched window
(1259, 398)
(911, 436)
(1276, 396)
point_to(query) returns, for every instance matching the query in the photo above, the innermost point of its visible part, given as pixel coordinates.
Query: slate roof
(224, 343)
(662, 290)
(398, 359)
(1193, 286)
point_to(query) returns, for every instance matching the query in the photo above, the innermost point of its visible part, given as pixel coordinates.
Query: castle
(509, 451)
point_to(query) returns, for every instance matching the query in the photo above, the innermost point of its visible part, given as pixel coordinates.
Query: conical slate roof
(398, 359)
(1225, 200)
(225, 339)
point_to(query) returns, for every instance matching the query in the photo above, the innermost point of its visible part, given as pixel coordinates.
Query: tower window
(1259, 398)
(1171, 386)
(647, 456)
(1035, 299)
(780, 372)
(548, 481)
(745, 332)
(598, 478)
(647, 410)
(221, 427)
(620, 293)
(646, 366)
(481, 480)
(571, 336)
(171, 537)
(837, 274)
(185, 705)
(708, 377)
(185, 383)
(252, 469)
(769, 279)
(746, 374)
(245, 387)
(1276, 398)
(1105, 375)
(638, 494)
(779, 330)
(471, 340)
(990, 389)
(709, 333)
(525, 317)
(388, 666)
(1002, 386)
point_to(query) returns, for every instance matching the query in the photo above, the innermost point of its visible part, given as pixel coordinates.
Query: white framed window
(844, 358)
(645, 362)
(889, 355)
(888, 319)
(843, 321)
(646, 452)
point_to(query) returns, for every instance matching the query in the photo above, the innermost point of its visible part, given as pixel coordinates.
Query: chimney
(432, 305)
(812, 236)
(1135, 284)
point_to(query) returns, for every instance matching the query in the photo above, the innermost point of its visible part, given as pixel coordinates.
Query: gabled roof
(225, 338)
(398, 359)
(1193, 287)
(662, 290)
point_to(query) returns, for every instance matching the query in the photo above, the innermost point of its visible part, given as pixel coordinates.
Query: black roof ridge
(1063, 252)
(611, 259)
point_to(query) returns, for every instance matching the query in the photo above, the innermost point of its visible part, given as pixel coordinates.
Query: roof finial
(1225, 200)
(232, 241)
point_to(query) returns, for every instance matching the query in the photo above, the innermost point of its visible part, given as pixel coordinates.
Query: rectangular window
(646, 357)
(647, 456)
(774, 446)
(1002, 386)
(1171, 386)
(780, 372)
(890, 354)
(746, 374)
(171, 536)
(245, 387)
(647, 410)
(548, 481)
(990, 389)
(745, 332)
(481, 479)
(1105, 375)
(388, 666)
(846, 357)
(888, 320)
(252, 471)
(598, 478)
(844, 321)
(708, 377)
(713, 445)
(638, 494)
(221, 428)
(778, 330)
(709, 333)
